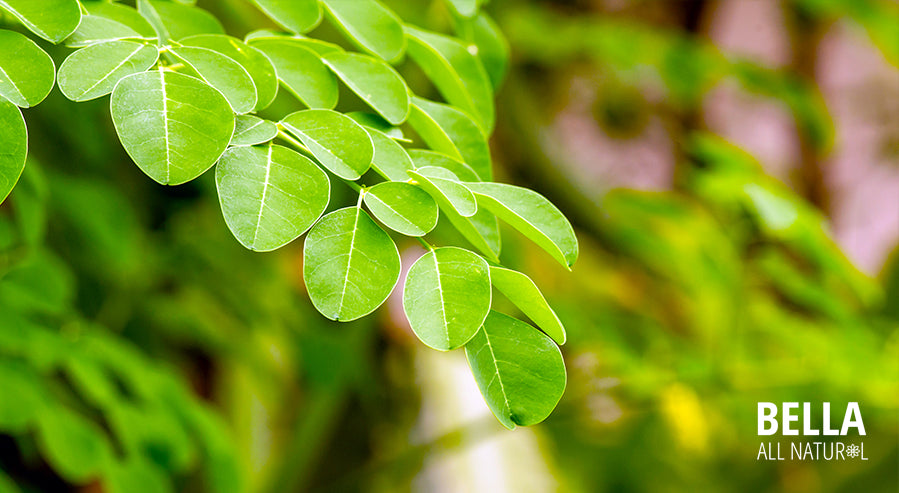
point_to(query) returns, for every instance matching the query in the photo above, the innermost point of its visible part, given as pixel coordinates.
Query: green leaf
(422, 158)
(457, 73)
(93, 72)
(175, 21)
(76, 448)
(339, 143)
(136, 475)
(533, 215)
(350, 265)
(374, 81)
(492, 47)
(27, 72)
(252, 130)
(173, 126)
(481, 230)
(14, 142)
(447, 297)
(96, 29)
(19, 414)
(369, 24)
(298, 16)
(390, 159)
(403, 207)
(522, 291)
(270, 195)
(519, 370)
(452, 132)
(251, 59)
(466, 8)
(53, 20)
(301, 71)
(222, 73)
(122, 14)
(376, 122)
(444, 186)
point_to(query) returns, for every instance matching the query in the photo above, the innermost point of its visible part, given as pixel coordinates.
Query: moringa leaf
(173, 126)
(390, 159)
(14, 145)
(376, 122)
(492, 46)
(301, 71)
(403, 207)
(252, 130)
(222, 73)
(452, 132)
(445, 188)
(423, 158)
(339, 143)
(447, 297)
(376, 82)
(458, 74)
(122, 14)
(75, 447)
(93, 72)
(369, 24)
(53, 20)
(270, 195)
(96, 29)
(350, 265)
(531, 214)
(519, 370)
(298, 16)
(465, 8)
(260, 68)
(27, 72)
(180, 21)
(522, 291)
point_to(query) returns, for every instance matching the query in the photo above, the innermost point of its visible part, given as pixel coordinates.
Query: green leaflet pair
(184, 98)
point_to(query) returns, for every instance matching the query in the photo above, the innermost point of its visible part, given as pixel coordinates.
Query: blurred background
(731, 168)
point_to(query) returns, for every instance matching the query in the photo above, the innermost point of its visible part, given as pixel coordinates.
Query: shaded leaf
(93, 72)
(339, 143)
(452, 132)
(76, 448)
(378, 123)
(14, 142)
(447, 297)
(402, 207)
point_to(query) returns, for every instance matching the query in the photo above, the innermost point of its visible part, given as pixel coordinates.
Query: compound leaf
(376, 82)
(450, 131)
(14, 145)
(173, 126)
(369, 24)
(350, 265)
(92, 72)
(222, 73)
(522, 291)
(447, 297)
(270, 195)
(533, 215)
(519, 370)
(301, 71)
(27, 72)
(251, 130)
(53, 20)
(298, 16)
(339, 143)
(403, 207)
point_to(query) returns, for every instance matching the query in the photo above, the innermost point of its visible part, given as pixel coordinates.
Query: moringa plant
(185, 97)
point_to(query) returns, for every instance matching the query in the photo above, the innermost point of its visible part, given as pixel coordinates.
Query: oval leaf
(14, 142)
(75, 447)
(92, 72)
(53, 20)
(444, 186)
(447, 297)
(173, 126)
(96, 29)
(452, 132)
(522, 291)
(122, 14)
(370, 25)
(390, 159)
(374, 81)
(175, 21)
(459, 75)
(222, 73)
(252, 130)
(298, 16)
(270, 195)
(533, 215)
(350, 265)
(422, 158)
(27, 72)
(403, 207)
(519, 370)
(301, 71)
(260, 68)
(376, 122)
(339, 143)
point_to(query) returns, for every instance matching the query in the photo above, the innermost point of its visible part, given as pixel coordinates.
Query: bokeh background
(731, 168)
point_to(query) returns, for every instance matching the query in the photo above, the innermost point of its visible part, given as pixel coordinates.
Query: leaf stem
(424, 242)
